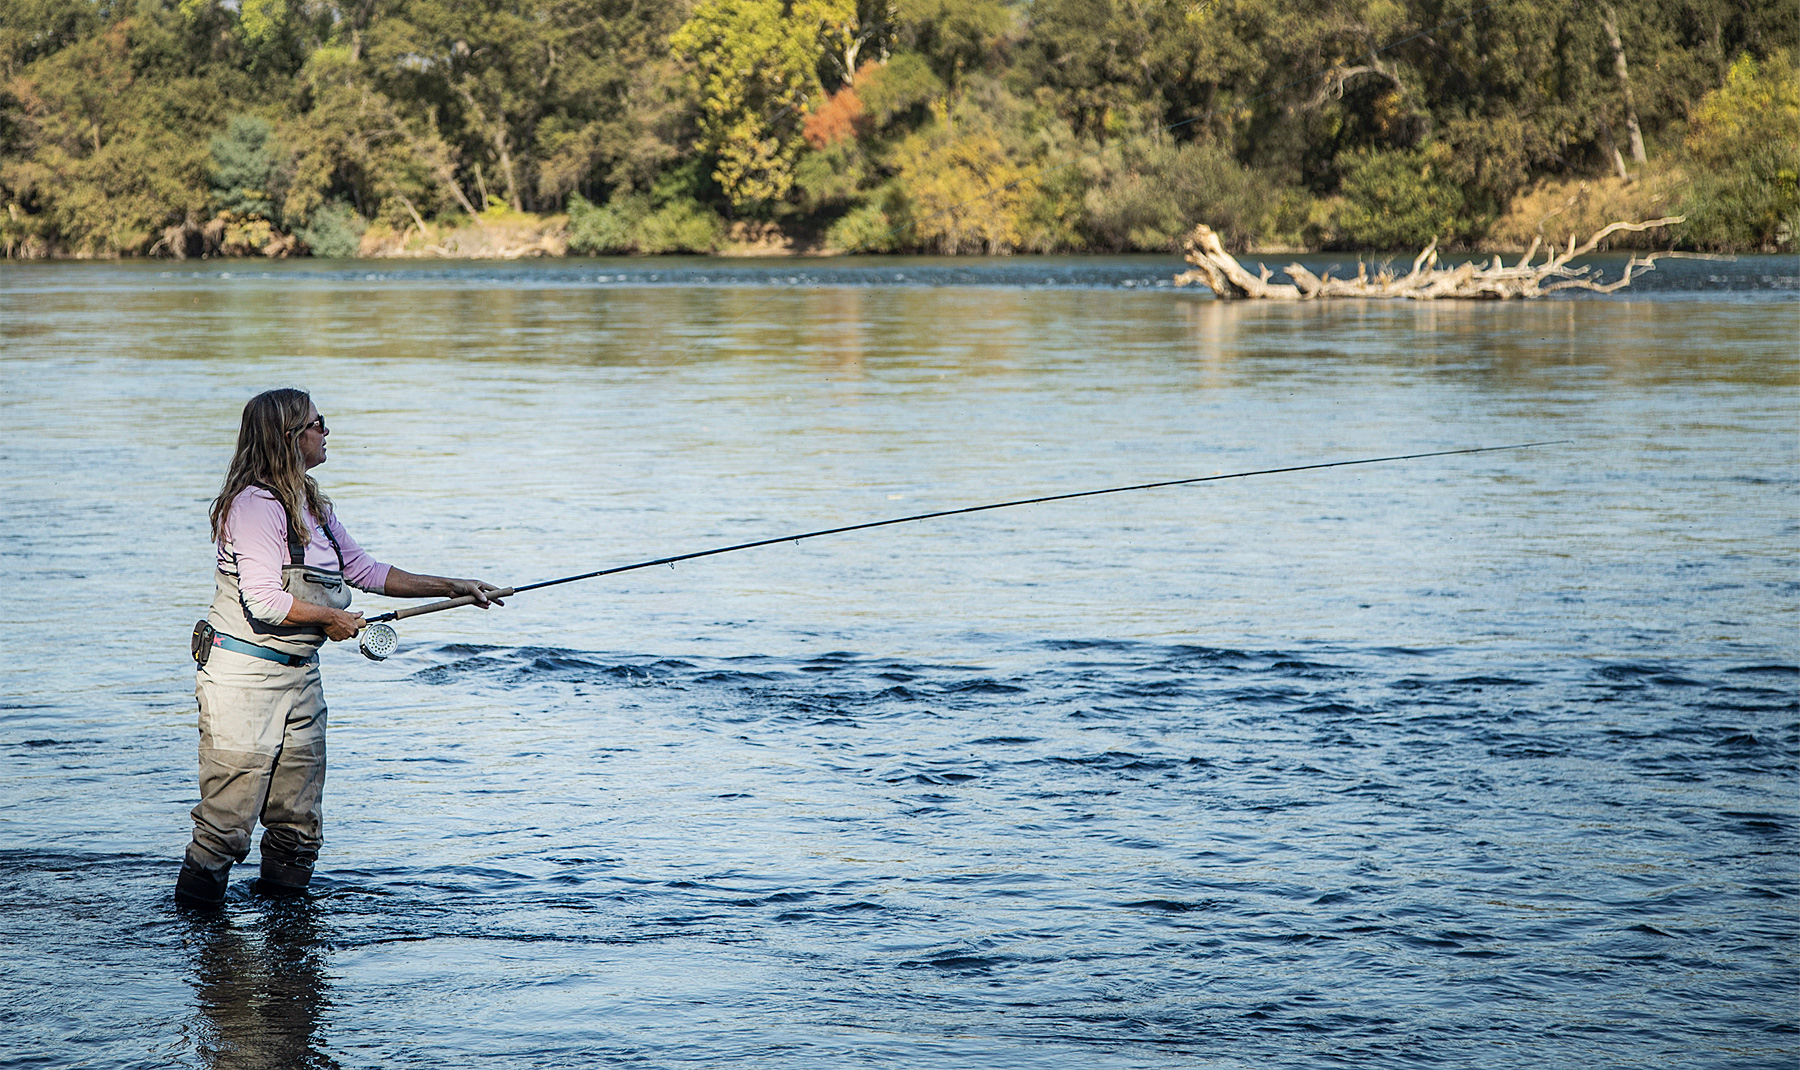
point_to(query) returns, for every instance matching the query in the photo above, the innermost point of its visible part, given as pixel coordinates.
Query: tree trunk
(1220, 272)
(1611, 148)
(506, 170)
(1610, 22)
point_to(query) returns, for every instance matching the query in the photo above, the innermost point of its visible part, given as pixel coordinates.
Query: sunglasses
(318, 422)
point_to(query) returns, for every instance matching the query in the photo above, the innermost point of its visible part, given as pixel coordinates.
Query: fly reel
(379, 641)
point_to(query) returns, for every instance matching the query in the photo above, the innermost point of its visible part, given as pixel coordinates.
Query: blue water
(1469, 761)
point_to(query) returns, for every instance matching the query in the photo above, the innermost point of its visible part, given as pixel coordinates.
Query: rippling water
(1469, 761)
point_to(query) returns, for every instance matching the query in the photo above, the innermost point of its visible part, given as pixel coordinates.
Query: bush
(831, 176)
(681, 226)
(865, 229)
(334, 231)
(635, 223)
(601, 230)
(1149, 196)
(966, 194)
(1745, 192)
(902, 86)
(1400, 199)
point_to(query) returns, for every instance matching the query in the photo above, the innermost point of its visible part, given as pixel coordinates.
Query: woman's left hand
(480, 590)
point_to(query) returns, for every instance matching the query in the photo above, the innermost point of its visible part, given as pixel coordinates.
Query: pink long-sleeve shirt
(255, 547)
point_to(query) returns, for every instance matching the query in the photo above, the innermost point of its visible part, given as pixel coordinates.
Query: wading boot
(200, 889)
(287, 865)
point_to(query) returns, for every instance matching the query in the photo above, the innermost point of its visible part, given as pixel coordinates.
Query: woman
(285, 569)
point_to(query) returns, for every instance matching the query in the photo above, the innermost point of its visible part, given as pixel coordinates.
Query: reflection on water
(1401, 765)
(260, 988)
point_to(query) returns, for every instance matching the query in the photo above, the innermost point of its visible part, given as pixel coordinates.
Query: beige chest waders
(262, 729)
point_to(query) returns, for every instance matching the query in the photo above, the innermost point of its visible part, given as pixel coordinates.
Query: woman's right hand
(344, 625)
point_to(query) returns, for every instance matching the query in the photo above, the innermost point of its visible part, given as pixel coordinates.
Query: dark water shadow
(260, 988)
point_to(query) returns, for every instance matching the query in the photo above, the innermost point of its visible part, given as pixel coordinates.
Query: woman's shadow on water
(260, 986)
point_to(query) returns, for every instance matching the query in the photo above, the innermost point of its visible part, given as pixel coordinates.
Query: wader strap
(296, 545)
(335, 548)
(226, 642)
(297, 549)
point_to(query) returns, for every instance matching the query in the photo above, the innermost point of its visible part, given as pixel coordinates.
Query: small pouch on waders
(320, 586)
(202, 644)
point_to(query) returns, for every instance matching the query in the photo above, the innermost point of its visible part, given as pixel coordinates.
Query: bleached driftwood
(1228, 279)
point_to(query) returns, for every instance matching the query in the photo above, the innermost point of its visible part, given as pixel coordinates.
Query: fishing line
(380, 639)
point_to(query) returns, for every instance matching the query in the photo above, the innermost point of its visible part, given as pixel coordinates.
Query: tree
(753, 69)
(1743, 137)
(111, 142)
(964, 193)
(245, 171)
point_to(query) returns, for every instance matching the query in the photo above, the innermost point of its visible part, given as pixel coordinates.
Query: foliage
(103, 153)
(245, 168)
(1401, 199)
(963, 191)
(899, 88)
(598, 230)
(670, 219)
(1148, 195)
(334, 230)
(1554, 208)
(681, 226)
(868, 228)
(127, 127)
(1745, 139)
(753, 71)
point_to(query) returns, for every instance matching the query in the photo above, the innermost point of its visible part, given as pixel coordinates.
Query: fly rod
(380, 639)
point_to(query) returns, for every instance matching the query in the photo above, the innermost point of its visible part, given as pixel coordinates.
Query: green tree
(111, 133)
(1745, 144)
(753, 69)
(964, 192)
(1401, 199)
(245, 170)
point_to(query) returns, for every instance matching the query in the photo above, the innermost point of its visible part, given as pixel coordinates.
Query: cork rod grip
(449, 603)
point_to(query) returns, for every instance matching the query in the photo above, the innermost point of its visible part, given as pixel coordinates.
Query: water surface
(1467, 761)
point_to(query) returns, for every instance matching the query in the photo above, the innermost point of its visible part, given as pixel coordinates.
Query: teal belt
(238, 646)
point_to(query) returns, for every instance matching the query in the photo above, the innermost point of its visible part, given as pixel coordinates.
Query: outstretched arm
(403, 584)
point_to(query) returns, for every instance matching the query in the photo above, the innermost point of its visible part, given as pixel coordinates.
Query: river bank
(1551, 208)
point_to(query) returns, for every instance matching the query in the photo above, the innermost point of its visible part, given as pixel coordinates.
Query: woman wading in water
(286, 566)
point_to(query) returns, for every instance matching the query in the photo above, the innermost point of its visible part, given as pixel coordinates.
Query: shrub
(831, 176)
(681, 226)
(966, 194)
(1149, 196)
(868, 228)
(1744, 138)
(599, 230)
(334, 231)
(634, 223)
(1400, 199)
(901, 86)
(244, 167)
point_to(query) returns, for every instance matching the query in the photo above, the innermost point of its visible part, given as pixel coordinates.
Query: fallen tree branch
(1337, 79)
(1229, 280)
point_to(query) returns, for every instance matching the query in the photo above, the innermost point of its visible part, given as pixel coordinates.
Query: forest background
(517, 127)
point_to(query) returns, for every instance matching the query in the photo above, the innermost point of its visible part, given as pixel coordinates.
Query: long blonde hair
(268, 455)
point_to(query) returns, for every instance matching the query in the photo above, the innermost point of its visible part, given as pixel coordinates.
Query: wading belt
(226, 642)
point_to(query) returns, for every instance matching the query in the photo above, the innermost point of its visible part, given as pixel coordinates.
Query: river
(1468, 761)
